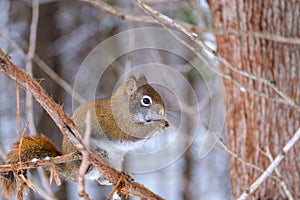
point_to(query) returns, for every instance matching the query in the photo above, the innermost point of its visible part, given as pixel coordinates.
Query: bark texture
(255, 123)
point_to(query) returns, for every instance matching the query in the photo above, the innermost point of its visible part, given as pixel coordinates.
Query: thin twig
(60, 81)
(282, 183)
(221, 142)
(239, 158)
(43, 189)
(242, 87)
(33, 33)
(47, 69)
(17, 106)
(266, 36)
(194, 28)
(20, 145)
(85, 163)
(163, 19)
(12, 43)
(28, 62)
(46, 194)
(41, 162)
(272, 166)
(27, 182)
(2, 153)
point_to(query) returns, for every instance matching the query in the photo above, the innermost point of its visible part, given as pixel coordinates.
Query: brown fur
(111, 118)
(31, 147)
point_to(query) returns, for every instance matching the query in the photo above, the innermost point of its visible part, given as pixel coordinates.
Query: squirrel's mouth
(148, 119)
(158, 120)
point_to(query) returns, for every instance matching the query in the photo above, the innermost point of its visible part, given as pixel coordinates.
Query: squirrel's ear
(142, 80)
(131, 85)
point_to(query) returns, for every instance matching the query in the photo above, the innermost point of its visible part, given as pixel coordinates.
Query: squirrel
(118, 124)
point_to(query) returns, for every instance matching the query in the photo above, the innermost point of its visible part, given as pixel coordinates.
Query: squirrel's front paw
(129, 176)
(161, 124)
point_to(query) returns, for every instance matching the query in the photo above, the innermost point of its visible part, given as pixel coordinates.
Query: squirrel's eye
(146, 100)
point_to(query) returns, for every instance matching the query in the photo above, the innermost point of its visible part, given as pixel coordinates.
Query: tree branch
(68, 127)
(165, 20)
(28, 62)
(85, 162)
(194, 28)
(282, 183)
(239, 158)
(47, 69)
(41, 162)
(272, 166)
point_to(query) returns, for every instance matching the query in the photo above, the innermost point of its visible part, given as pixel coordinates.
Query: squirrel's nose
(167, 124)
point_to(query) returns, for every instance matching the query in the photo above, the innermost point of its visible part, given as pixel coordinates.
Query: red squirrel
(118, 124)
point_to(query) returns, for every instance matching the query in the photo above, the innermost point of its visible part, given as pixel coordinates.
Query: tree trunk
(254, 123)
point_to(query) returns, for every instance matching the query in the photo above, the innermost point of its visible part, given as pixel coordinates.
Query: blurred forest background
(260, 39)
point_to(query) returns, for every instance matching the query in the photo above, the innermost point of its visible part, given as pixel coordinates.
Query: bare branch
(17, 107)
(239, 158)
(29, 57)
(43, 189)
(216, 31)
(266, 36)
(163, 19)
(85, 163)
(47, 69)
(282, 183)
(42, 162)
(2, 153)
(118, 12)
(43, 192)
(242, 87)
(69, 129)
(28, 62)
(272, 166)
(32, 34)
(60, 81)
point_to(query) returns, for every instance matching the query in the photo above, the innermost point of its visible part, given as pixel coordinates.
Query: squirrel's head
(143, 103)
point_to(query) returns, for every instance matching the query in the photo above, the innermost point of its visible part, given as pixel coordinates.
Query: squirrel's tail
(25, 149)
